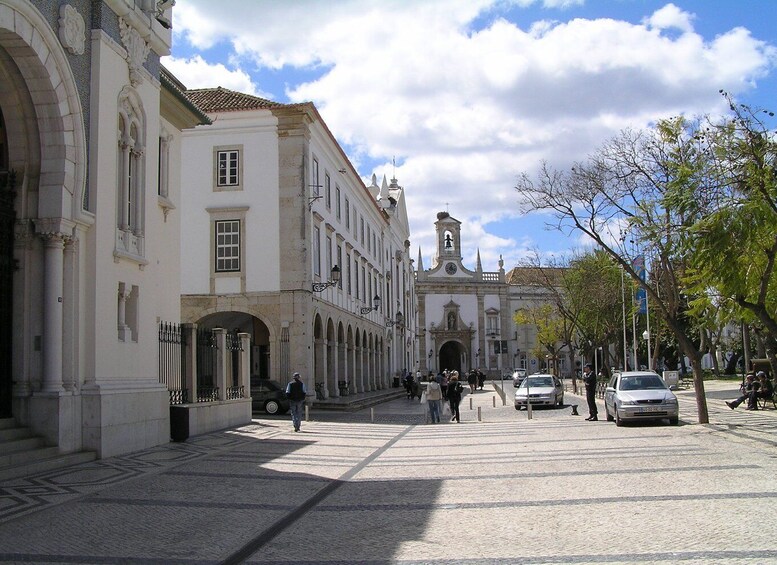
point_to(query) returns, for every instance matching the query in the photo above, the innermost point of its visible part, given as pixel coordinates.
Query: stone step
(22, 453)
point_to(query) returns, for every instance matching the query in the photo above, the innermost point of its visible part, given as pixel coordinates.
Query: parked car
(541, 390)
(268, 395)
(639, 395)
(518, 376)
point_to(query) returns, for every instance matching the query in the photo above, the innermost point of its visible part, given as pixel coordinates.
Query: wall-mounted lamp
(375, 305)
(398, 322)
(431, 352)
(334, 278)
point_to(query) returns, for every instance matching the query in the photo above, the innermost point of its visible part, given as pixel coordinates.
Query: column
(189, 339)
(52, 311)
(245, 363)
(220, 335)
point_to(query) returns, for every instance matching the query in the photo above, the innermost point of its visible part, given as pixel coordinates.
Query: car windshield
(642, 382)
(538, 381)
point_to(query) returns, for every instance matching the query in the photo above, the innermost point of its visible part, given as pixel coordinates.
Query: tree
(618, 198)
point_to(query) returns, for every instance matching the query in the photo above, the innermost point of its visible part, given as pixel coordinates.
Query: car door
(609, 394)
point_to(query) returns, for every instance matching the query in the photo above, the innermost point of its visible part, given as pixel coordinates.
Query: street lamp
(397, 322)
(375, 305)
(334, 278)
(646, 337)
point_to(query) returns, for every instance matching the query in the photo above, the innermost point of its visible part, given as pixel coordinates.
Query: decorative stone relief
(137, 51)
(72, 31)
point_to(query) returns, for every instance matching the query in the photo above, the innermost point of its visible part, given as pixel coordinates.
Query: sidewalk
(555, 489)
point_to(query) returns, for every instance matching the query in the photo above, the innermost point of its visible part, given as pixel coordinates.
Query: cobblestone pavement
(381, 486)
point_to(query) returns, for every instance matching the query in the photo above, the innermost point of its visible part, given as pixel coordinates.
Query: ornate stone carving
(72, 31)
(137, 51)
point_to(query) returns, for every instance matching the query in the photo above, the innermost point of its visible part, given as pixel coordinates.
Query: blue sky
(467, 94)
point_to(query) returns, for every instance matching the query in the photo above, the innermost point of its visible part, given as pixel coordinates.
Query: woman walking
(433, 398)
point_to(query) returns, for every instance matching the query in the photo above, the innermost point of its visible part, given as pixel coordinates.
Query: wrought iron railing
(172, 361)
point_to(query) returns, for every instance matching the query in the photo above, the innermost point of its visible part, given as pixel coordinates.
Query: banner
(640, 296)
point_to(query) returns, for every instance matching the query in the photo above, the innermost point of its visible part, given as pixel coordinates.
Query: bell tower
(448, 238)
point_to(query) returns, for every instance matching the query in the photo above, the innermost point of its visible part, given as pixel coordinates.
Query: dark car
(268, 395)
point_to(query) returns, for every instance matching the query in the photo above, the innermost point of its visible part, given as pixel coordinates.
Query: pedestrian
(443, 381)
(455, 390)
(481, 379)
(589, 379)
(472, 380)
(296, 393)
(433, 398)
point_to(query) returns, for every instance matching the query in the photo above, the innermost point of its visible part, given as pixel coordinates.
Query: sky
(457, 98)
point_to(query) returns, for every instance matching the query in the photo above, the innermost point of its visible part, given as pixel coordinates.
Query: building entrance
(450, 356)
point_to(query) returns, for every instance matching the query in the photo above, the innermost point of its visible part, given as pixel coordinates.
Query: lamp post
(646, 337)
(334, 278)
(396, 322)
(375, 305)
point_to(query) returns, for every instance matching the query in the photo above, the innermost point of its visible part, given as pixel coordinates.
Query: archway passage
(450, 356)
(7, 217)
(261, 366)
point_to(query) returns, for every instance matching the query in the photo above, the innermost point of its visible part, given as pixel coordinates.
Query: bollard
(470, 403)
(479, 420)
(528, 408)
(493, 401)
(372, 415)
(307, 413)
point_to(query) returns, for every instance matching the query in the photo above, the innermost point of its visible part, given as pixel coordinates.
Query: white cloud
(466, 108)
(197, 73)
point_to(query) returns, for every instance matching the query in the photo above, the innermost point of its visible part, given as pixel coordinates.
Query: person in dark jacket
(296, 393)
(589, 379)
(455, 390)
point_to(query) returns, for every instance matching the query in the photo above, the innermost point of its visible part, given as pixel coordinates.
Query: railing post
(189, 360)
(245, 363)
(220, 336)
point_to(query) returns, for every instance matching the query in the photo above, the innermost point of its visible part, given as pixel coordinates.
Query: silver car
(518, 376)
(540, 390)
(639, 395)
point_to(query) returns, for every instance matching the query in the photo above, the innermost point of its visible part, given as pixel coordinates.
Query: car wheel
(272, 407)
(618, 421)
(517, 407)
(607, 414)
(674, 421)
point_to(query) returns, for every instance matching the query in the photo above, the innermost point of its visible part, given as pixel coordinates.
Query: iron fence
(234, 390)
(207, 391)
(172, 361)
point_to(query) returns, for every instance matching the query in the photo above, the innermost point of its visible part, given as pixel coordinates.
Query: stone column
(189, 335)
(220, 335)
(52, 311)
(245, 363)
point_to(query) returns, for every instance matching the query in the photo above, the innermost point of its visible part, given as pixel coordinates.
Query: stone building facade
(274, 205)
(89, 258)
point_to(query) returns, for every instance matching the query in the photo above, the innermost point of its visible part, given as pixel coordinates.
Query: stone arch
(318, 352)
(331, 359)
(451, 356)
(48, 85)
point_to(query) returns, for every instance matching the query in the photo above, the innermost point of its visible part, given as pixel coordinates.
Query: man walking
(589, 378)
(296, 393)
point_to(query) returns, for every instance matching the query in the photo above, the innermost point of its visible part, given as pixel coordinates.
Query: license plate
(650, 409)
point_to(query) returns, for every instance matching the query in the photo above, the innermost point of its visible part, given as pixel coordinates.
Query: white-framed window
(317, 251)
(356, 276)
(340, 264)
(328, 255)
(227, 168)
(227, 246)
(337, 202)
(361, 229)
(328, 191)
(347, 214)
(348, 272)
(315, 183)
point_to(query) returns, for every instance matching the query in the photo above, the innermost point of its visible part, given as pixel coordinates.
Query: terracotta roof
(224, 100)
(535, 276)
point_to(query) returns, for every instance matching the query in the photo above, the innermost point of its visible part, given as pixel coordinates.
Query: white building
(273, 206)
(89, 243)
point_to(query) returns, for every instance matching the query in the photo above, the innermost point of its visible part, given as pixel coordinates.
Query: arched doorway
(450, 356)
(260, 359)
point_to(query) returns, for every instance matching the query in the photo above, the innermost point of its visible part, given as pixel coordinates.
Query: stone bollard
(479, 419)
(493, 401)
(372, 415)
(470, 403)
(307, 413)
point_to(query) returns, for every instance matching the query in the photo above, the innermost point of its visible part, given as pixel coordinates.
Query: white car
(518, 376)
(540, 390)
(639, 395)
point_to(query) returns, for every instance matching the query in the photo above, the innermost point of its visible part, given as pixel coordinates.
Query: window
(317, 251)
(356, 277)
(364, 282)
(348, 268)
(130, 188)
(347, 214)
(315, 182)
(227, 246)
(340, 264)
(227, 168)
(337, 201)
(328, 191)
(361, 230)
(328, 256)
